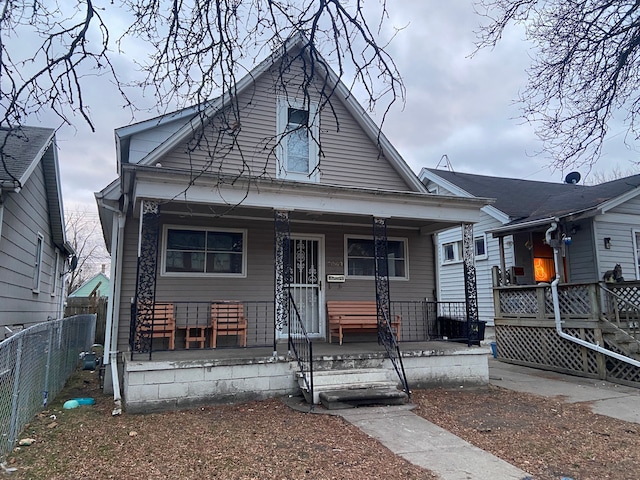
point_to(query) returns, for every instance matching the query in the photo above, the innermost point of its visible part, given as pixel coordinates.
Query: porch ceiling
(306, 202)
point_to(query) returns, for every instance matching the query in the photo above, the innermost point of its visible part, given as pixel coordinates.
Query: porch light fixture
(607, 242)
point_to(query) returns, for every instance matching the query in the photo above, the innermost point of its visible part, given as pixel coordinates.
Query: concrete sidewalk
(604, 398)
(427, 445)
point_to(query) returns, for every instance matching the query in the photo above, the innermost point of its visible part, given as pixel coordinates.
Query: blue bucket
(494, 349)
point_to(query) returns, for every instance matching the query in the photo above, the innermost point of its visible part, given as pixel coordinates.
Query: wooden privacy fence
(526, 332)
(90, 305)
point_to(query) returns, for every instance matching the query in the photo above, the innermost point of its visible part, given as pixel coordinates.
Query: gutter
(556, 311)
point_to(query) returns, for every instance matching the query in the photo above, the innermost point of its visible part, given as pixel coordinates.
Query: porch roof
(253, 197)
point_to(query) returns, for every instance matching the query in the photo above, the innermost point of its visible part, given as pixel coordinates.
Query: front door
(306, 282)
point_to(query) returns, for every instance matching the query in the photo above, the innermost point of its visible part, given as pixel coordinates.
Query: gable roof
(192, 117)
(528, 201)
(21, 150)
(87, 287)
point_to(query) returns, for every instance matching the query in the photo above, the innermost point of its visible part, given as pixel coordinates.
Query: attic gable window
(297, 134)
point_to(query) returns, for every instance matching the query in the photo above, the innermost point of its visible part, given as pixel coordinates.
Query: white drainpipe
(111, 334)
(558, 319)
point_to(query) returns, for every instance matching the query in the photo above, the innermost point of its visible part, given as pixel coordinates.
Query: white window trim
(37, 267)
(163, 259)
(282, 117)
(457, 251)
(486, 247)
(56, 275)
(405, 242)
(635, 233)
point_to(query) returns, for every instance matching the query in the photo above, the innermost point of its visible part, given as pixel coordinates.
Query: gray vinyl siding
(630, 207)
(581, 260)
(348, 156)
(25, 215)
(259, 282)
(621, 251)
(451, 275)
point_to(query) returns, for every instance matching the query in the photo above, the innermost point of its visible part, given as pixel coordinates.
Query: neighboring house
(33, 246)
(200, 218)
(598, 226)
(99, 285)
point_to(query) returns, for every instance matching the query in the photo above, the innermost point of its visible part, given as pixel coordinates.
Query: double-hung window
(297, 136)
(196, 252)
(360, 257)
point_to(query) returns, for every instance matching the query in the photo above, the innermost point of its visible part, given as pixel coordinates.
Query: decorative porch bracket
(386, 336)
(470, 287)
(140, 336)
(282, 266)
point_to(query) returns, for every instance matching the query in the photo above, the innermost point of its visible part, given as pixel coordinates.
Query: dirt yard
(268, 440)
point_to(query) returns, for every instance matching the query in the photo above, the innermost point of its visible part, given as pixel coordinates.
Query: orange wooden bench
(355, 317)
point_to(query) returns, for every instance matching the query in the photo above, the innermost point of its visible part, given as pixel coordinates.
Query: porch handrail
(387, 337)
(632, 325)
(302, 347)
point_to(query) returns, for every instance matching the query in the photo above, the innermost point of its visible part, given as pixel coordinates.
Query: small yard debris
(25, 442)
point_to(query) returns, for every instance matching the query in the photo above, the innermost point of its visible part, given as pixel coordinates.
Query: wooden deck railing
(526, 332)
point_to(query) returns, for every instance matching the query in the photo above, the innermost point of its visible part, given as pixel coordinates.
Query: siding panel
(349, 157)
(25, 215)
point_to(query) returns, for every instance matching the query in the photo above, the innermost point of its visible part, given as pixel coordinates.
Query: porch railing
(622, 306)
(526, 331)
(420, 321)
(301, 346)
(429, 320)
(259, 316)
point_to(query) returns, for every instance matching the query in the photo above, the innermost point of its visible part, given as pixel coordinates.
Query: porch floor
(321, 350)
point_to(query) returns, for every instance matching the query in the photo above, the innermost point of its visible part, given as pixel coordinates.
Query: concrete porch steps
(353, 387)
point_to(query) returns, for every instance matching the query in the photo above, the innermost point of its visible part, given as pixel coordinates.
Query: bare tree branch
(585, 70)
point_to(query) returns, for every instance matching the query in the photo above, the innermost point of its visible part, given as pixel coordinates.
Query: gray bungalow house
(234, 227)
(33, 246)
(600, 223)
(590, 234)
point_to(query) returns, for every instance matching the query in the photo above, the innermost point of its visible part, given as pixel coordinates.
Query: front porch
(187, 378)
(602, 314)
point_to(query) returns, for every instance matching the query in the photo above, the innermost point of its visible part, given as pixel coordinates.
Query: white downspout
(556, 311)
(110, 355)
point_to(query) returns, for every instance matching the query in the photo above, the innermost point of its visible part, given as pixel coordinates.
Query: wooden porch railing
(526, 332)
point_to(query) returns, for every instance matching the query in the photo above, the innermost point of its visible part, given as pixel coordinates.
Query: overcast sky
(456, 106)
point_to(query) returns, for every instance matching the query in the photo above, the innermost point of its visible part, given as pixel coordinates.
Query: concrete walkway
(604, 398)
(427, 445)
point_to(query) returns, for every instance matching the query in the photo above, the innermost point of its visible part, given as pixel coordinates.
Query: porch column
(381, 263)
(470, 288)
(282, 262)
(503, 264)
(142, 307)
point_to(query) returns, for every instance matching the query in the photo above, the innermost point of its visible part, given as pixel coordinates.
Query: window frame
(282, 120)
(38, 260)
(636, 248)
(485, 255)
(163, 258)
(457, 252)
(405, 247)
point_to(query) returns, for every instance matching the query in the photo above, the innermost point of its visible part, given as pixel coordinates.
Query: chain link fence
(34, 367)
